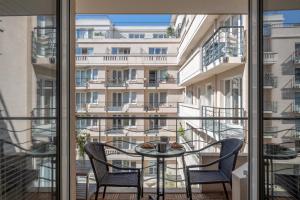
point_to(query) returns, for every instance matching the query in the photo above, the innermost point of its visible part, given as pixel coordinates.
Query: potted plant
(82, 139)
(181, 130)
(170, 32)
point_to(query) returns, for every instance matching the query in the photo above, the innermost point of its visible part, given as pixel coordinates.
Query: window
(80, 101)
(136, 35)
(84, 51)
(158, 50)
(83, 76)
(84, 33)
(129, 122)
(152, 167)
(209, 95)
(133, 74)
(116, 50)
(163, 122)
(163, 98)
(163, 75)
(160, 35)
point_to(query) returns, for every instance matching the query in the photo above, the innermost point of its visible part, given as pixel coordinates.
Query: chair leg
(104, 191)
(138, 193)
(225, 190)
(190, 195)
(96, 195)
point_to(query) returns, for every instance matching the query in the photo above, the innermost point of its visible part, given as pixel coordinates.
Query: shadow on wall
(7, 129)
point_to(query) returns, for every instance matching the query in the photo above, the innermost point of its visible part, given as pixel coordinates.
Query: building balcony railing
(44, 46)
(270, 80)
(270, 57)
(160, 82)
(138, 83)
(134, 107)
(214, 128)
(126, 59)
(82, 34)
(223, 50)
(224, 43)
(296, 57)
(270, 106)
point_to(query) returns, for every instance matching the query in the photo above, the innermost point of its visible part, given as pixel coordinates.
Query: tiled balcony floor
(173, 196)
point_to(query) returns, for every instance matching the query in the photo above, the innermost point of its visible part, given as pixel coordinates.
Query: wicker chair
(104, 178)
(226, 164)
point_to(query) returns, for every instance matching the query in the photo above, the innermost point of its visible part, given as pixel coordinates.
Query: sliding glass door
(29, 96)
(281, 114)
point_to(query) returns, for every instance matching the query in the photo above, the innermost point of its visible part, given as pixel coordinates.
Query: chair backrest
(228, 146)
(96, 150)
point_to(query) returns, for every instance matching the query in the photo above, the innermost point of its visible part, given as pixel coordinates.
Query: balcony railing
(27, 163)
(133, 107)
(134, 83)
(159, 82)
(82, 34)
(270, 57)
(44, 46)
(125, 59)
(127, 132)
(270, 80)
(270, 106)
(296, 57)
(219, 129)
(225, 42)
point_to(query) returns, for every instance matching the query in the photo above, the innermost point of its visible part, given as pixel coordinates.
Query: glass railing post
(99, 130)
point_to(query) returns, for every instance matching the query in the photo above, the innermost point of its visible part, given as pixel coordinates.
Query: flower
(82, 139)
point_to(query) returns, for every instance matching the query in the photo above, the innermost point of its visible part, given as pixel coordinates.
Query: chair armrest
(213, 162)
(116, 167)
(199, 150)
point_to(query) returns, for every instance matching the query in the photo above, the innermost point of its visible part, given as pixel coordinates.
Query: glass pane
(28, 91)
(281, 35)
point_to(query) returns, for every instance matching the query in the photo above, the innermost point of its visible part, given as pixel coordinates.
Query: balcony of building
(270, 107)
(44, 47)
(124, 134)
(161, 83)
(216, 130)
(126, 59)
(222, 51)
(270, 58)
(296, 57)
(125, 34)
(270, 81)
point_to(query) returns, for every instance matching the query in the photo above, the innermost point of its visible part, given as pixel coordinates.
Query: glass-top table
(160, 161)
(275, 152)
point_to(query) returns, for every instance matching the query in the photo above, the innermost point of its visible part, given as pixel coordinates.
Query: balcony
(296, 57)
(119, 132)
(126, 59)
(270, 58)
(94, 35)
(221, 52)
(213, 128)
(165, 83)
(44, 47)
(270, 107)
(168, 107)
(102, 107)
(270, 81)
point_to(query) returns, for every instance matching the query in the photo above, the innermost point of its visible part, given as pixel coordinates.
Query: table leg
(158, 181)
(163, 177)
(267, 177)
(272, 183)
(87, 187)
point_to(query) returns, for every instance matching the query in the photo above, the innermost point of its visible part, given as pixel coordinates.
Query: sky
(125, 20)
(164, 20)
